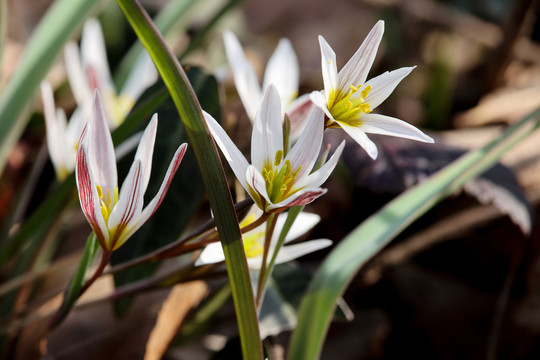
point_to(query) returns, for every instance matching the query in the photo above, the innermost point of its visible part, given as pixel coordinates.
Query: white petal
(317, 178)
(291, 252)
(76, 75)
(234, 157)
(88, 195)
(304, 222)
(282, 71)
(245, 78)
(383, 85)
(267, 136)
(56, 129)
(386, 125)
(94, 56)
(152, 206)
(357, 68)
(129, 206)
(329, 68)
(211, 254)
(101, 149)
(141, 77)
(361, 138)
(145, 150)
(305, 152)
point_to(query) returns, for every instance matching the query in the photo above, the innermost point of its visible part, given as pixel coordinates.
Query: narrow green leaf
(78, 280)
(340, 266)
(60, 21)
(211, 169)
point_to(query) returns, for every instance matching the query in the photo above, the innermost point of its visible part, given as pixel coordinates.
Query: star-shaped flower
(115, 215)
(278, 179)
(348, 99)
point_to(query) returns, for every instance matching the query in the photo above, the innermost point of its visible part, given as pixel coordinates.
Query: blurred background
(463, 282)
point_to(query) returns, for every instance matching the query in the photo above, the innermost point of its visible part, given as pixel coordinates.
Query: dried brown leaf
(181, 299)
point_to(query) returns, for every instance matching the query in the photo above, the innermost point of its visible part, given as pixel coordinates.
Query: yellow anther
(366, 91)
(354, 88)
(349, 104)
(99, 191)
(279, 156)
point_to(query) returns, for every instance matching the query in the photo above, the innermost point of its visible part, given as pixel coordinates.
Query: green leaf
(60, 21)
(78, 280)
(340, 266)
(185, 193)
(212, 172)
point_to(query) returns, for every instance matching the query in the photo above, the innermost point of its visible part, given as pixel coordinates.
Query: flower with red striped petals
(115, 214)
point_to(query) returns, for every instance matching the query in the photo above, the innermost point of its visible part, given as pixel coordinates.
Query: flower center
(349, 108)
(106, 202)
(279, 177)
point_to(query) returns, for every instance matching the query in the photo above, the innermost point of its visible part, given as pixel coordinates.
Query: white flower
(89, 70)
(278, 179)
(254, 242)
(348, 99)
(62, 136)
(282, 71)
(115, 216)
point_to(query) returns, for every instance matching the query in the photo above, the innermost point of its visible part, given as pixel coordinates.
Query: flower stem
(270, 226)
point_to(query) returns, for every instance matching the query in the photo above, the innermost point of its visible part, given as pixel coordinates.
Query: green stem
(270, 226)
(211, 169)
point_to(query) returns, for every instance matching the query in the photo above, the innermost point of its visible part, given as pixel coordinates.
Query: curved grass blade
(60, 21)
(211, 169)
(340, 266)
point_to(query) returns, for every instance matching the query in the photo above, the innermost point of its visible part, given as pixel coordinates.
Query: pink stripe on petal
(151, 208)
(128, 207)
(89, 198)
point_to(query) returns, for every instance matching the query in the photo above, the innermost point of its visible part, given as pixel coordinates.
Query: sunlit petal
(101, 149)
(267, 137)
(383, 85)
(152, 206)
(283, 72)
(304, 222)
(234, 157)
(298, 112)
(318, 177)
(212, 253)
(386, 125)
(361, 138)
(94, 56)
(291, 252)
(145, 150)
(301, 197)
(357, 68)
(76, 74)
(304, 153)
(329, 69)
(245, 78)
